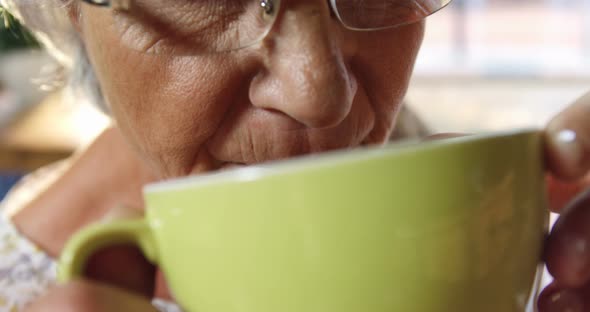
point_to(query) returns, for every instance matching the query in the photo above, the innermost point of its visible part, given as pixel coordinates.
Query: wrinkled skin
(310, 86)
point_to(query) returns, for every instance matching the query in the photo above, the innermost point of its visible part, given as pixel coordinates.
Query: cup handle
(95, 237)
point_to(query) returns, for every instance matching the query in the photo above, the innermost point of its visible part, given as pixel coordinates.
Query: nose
(305, 74)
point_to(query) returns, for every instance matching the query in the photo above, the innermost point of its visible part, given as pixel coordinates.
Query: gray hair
(49, 20)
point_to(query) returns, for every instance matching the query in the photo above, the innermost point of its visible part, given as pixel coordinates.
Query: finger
(554, 298)
(568, 141)
(123, 266)
(162, 291)
(567, 250)
(560, 192)
(89, 297)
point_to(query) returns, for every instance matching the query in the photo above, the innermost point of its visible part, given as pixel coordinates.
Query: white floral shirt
(25, 271)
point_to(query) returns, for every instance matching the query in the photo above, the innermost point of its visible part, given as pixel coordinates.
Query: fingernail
(562, 301)
(569, 149)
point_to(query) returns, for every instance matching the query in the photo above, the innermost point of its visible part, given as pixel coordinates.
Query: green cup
(446, 226)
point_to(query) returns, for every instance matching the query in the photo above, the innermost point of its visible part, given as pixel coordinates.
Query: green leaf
(13, 35)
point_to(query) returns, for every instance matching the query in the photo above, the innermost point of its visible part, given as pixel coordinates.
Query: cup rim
(314, 161)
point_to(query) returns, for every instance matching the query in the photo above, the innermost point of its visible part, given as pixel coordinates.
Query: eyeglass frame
(268, 6)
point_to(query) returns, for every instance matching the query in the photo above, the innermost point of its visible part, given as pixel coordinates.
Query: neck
(105, 175)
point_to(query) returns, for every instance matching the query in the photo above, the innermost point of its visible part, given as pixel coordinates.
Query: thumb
(567, 139)
(566, 251)
(123, 266)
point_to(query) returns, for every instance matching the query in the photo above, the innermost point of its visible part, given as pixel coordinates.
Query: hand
(78, 198)
(567, 249)
(86, 296)
(124, 267)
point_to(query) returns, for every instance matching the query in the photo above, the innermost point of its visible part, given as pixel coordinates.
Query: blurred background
(499, 64)
(39, 125)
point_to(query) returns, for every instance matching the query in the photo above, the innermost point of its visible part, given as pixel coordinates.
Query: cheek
(384, 65)
(166, 107)
(386, 59)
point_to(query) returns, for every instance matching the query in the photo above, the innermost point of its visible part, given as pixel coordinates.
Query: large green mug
(446, 226)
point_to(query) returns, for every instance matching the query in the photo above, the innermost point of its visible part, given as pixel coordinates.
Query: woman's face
(310, 86)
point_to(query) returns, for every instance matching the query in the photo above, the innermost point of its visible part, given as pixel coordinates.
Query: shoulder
(30, 186)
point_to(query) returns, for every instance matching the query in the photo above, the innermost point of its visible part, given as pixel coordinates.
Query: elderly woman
(197, 86)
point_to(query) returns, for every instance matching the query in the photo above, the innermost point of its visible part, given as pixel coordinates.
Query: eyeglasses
(180, 27)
